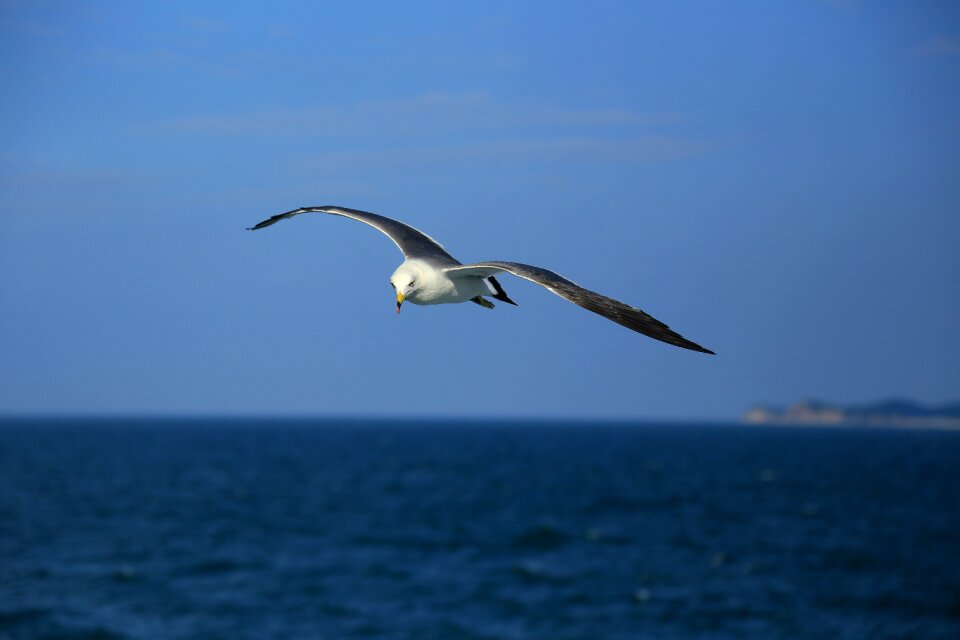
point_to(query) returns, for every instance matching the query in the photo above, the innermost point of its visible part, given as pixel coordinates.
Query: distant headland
(889, 413)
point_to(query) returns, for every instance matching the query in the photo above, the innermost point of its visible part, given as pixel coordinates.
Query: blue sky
(779, 182)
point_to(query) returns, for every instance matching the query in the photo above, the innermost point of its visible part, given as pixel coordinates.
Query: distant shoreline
(896, 414)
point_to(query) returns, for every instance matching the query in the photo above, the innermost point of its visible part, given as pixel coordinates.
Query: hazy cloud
(280, 31)
(425, 114)
(36, 177)
(843, 4)
(232, 64)
(206, 25)
(155, 58)
(438, 127)
(940, 46)
(647, 148)
(478, 61)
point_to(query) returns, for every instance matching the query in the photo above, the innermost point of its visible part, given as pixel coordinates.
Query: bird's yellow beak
(399, 301)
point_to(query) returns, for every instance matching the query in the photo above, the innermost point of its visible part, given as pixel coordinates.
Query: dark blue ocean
(419, 530)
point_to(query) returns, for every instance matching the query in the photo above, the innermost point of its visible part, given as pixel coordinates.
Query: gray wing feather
(621, 313)
(412, 242)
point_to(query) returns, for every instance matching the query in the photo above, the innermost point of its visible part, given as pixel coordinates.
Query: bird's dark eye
(411, 283)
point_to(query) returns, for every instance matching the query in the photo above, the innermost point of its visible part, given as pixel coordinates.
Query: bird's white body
(422, 283)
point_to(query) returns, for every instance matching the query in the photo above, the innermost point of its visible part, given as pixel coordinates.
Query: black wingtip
(693, 346)
(266, 223)
(677, 340)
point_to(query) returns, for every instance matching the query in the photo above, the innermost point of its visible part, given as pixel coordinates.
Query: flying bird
(430, 275)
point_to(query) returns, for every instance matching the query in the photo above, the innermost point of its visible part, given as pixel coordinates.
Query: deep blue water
(300, 529)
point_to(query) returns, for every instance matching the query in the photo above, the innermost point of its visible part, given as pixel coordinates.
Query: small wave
(214, 566)
(607, 503)
(539, 571)
(41, 623)
(593, 534)
(540, 537)
(20, 616)
(84, 633)
(125, 573)
(642, 596)
(386, 570)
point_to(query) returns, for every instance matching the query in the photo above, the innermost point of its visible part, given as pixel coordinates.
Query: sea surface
(134, 528)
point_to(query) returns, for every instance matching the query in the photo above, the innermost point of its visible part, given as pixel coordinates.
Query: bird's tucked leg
(483, 302)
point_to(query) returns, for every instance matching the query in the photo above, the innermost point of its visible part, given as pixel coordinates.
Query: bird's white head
(405, 281)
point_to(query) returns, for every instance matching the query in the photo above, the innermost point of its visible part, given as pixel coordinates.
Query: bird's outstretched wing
(412, 242)
(621, 313)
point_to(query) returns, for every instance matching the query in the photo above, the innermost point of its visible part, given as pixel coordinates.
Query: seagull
(430, 275)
